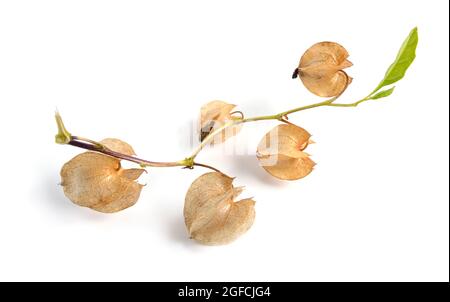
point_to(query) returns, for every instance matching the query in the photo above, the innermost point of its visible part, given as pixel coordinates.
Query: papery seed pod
(321, 69)
(212, 116)
(280, 152)
(98, 181)
(211, 215)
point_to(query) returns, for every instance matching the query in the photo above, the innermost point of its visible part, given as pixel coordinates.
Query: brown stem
(97, 147)
(209, 167)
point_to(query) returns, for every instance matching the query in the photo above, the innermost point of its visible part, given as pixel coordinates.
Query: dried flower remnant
(281, 152)
(98, 181)
(214, 115)
(321, 69)
(211, 215)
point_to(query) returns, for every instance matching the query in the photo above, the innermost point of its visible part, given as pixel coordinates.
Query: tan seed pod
(281, 152)
(97, 181)
(211, 215)
(321, 69)
(212, 116)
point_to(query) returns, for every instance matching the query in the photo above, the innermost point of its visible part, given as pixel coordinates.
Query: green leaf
(405, 57)
(382, 94)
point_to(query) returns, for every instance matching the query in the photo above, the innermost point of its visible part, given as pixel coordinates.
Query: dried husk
(321, 69)
(214, 115)
(211, 215)
(281, 152)
(97, 181)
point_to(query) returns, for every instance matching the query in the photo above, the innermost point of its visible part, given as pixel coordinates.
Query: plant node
(188, 162)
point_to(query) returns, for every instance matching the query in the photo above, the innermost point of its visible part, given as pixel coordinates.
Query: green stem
(210, 136)
(350, 104)
(64, 137)
(278, 117)
(324, 103)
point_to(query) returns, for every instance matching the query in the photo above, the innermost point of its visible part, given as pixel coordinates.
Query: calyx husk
(211, 215)
(213, 115)
(321, 69)
(97, 181)
(280, 152)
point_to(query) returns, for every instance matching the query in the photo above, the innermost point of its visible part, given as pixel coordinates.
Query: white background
(375, 208)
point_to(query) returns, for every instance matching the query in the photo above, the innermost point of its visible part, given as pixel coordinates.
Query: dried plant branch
(64, 137)
(212, 214)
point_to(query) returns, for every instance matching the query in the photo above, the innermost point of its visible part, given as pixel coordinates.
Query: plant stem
(278, 116)
(324, 103)
(64, 137)
(211, 135)
(350, 104)
(207, 166)
(98, 147)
